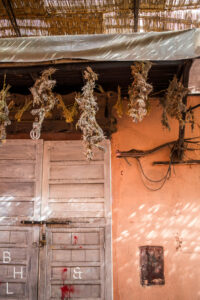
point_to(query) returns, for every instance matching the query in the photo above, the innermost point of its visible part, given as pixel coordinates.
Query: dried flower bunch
(4, 110)
(173, 103)
(43, 97)
(139, 91)
(92, 133)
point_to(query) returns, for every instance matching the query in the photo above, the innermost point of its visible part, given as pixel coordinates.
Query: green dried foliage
(4, 110)
(44, 99)
(92, 132)
(139, 91)
(173, 105)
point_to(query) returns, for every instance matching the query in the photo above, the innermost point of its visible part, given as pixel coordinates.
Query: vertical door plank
(38, 177)
(20, 198)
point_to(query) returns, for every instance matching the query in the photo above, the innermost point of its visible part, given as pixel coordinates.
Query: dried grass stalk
(139, 91)
(44, 98)
(119, 104)
(4, 110)
(92, 133)
(190, 118)
(19, 113)
(173, 105)
(68, 113)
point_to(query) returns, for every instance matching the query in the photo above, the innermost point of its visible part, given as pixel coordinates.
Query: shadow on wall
(177, 231)
(169, 218)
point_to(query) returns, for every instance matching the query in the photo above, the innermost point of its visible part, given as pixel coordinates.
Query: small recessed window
(152, 265)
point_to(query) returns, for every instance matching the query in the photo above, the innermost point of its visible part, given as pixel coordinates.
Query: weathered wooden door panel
(77, 257)
(18, 262)
(20, 180)
(75, 264)
(72, 186)
(20, 197)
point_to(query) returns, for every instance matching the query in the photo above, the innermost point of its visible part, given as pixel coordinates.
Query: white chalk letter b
(6, 257)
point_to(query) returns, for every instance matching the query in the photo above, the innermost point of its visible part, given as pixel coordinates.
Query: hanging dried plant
(92, 133)
(164, 119)
(68, 113)
(4, 110)
(139, 91)
(119, 104)
(11, 105)
(19, 114)
(190, 118)
(44, 98)
(173, 105)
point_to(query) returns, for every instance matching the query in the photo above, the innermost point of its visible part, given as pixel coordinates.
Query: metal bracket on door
(47, 222)
(43, 223)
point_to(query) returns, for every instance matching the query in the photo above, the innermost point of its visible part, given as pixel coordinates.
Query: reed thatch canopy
(60, 17)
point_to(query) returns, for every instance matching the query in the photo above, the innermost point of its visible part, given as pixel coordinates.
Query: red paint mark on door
(64, 275)
(66, 291)
(75, 239)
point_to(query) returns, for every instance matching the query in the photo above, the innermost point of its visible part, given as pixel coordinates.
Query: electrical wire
(163, 179)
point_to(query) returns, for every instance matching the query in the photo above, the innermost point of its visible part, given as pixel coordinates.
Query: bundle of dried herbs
(4, 110)
(92, 133)
(173, 105)
(44, 99)
(139, 91)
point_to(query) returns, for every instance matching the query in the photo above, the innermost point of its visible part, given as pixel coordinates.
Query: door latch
(47, 222)
(39, 244)
(43, 241)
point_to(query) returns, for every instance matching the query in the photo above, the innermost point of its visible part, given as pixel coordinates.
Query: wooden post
(136, 6)
(9, 10)
(185, 80)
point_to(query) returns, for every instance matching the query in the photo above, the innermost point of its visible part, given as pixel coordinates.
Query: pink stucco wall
(169, 217)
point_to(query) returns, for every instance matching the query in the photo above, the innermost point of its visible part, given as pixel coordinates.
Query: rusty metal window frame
(152, 265)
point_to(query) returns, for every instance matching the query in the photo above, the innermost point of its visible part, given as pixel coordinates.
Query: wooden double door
(55, 222)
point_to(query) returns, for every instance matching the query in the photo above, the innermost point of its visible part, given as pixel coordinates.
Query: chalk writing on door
(17, 271)
(77, 273)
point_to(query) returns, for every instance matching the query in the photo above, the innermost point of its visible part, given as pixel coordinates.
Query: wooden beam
(136, 6)
(193, 107)
(184, 162)
(136, 153)
(49, 136)
(58, 126)
(20, 66)
(9, 10)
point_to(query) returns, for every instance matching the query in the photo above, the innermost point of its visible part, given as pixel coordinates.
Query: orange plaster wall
(142, 217)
